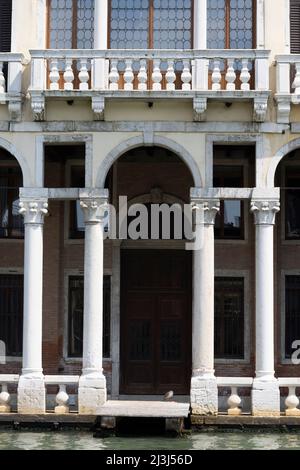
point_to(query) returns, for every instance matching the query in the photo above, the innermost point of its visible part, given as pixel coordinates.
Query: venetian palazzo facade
(161, 101)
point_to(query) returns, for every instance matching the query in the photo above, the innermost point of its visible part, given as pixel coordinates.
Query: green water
(76, 440)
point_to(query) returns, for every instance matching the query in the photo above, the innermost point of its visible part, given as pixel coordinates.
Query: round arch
(138, 141)
(9, 147)
(280, 154)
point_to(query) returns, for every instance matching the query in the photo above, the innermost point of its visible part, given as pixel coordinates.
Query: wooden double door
(155, 321)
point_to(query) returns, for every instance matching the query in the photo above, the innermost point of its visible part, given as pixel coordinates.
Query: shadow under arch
(9, 147)
(280, 154)
(138, 141)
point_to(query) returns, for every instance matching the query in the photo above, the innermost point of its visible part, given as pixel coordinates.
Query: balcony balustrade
(11, 67)
(157, 74)
(287, 85)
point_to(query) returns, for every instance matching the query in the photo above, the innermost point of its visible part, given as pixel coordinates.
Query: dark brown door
(155, 321)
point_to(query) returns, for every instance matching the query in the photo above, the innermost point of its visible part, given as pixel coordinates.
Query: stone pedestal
(204, 396)
(265, 398)
(91, 394)
(31, 395)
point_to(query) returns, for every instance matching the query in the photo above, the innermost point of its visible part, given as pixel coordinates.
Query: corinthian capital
(33, 211)
(264, 211)
(94, 209)
(206, 210)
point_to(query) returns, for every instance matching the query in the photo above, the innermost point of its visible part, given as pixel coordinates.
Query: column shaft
(31, 387)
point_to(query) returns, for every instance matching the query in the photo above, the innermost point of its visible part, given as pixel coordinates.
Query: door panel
(155, 321)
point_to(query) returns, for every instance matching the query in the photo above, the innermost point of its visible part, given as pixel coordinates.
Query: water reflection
(75, 440)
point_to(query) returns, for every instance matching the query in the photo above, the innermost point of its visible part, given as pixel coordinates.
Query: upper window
(229, 221)
(230, 24)
(71, 24)
(11, 222)
(11, 313)
(5, 25)
(295, 26)
(151, 24)
(292, 203)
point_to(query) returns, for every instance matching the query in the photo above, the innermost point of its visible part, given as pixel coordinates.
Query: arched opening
(287, 253)
(11, 257)
(155, 276)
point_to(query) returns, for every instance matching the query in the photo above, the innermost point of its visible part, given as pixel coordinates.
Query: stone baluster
(230, 75)
(245, 76)
(142, 75)
(156, 75)
(170, 76)
(62, 400)
(2, 79)
(292, 402)
(128, 75)
(68, 75)
(83, 75)
(186, 76)
(54, 75)
(234, 402)
(114, 75)
(296, 82)
(216, 76)
(4, 400)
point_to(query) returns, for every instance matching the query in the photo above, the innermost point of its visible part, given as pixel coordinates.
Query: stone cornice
(33, 211)
(264, 211)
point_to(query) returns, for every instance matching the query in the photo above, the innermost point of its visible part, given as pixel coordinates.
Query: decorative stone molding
(264, 211)
(98, 105)
(283, 108)
(260, 108)
(33, 211)
(38, 106)
(206, 211)
(15, 108)
(200, 107)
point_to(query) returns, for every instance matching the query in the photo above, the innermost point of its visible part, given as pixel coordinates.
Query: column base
(31, 395)
(204, 396)
(265, 398)
(92, 394)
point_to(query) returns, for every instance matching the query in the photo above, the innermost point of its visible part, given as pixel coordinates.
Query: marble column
(31, 388)
(265, 392)
(92, 384)
(204, 392)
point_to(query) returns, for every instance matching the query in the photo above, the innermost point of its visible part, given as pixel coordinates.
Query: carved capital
(33, 211)
(200, 107)
(264, 211)
(260, 108)
(206, 211)
(98, 105)
(94, 209)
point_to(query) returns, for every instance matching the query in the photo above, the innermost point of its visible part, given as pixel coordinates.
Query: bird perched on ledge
(168, 395)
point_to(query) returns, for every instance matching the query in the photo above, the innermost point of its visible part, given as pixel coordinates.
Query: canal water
(79, 440)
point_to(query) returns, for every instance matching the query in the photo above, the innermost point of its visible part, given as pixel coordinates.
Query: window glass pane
(75, 316)
(229, 318)
(292, 313)
(241, 24)
(85, 24)
(216, 24)
(129, 25)
(11, 313)
(65, 15)
(232, 219)
(172, 24)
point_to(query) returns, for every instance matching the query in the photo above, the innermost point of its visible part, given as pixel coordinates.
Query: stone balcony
(11, 68)
(198, 76)
(287, 85)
